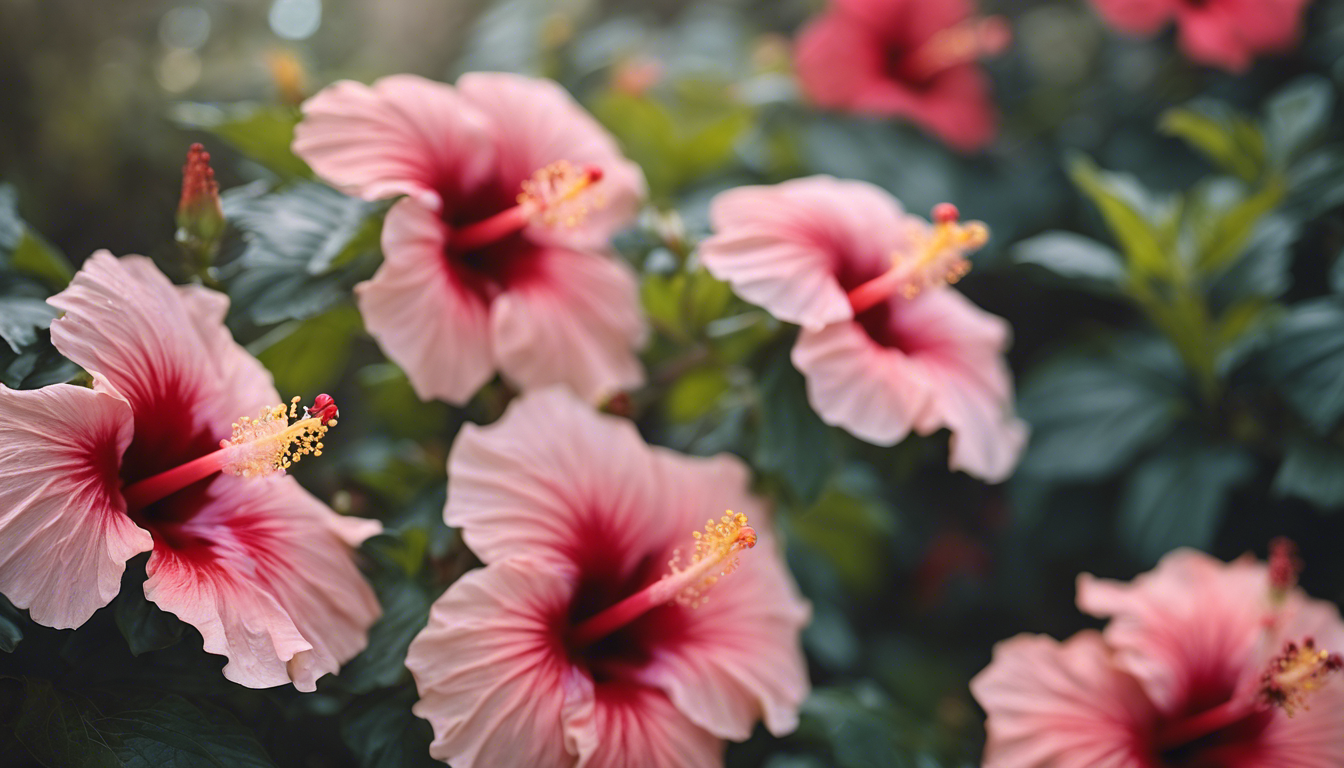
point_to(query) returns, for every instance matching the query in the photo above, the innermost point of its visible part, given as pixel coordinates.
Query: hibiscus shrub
(676, 384)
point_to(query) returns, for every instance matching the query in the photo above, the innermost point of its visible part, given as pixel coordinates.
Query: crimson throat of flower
(557, 195)
(932, 258)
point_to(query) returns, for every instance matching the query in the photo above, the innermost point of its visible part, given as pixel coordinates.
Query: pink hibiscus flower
(886, 346)
(908, 58)
(1203, 664)
(499, 257)
(91, 477)
(602, 631)
(1222, 33)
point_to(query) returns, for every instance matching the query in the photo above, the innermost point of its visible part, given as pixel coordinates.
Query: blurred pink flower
(1221, 33)
(886, 346)
(600, 632)
(91, 477)
(499, 258)
(1203, 664)
(907, 58)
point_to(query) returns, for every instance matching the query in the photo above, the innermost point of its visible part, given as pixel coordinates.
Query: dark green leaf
(131, 730)
(383, 733)
(37, 366)
(853, 532)
(262, 132)
(21, 318)
(1073, 256)
(11, 625)
(389, 395)
(1297, 115)
(1262, 270)
(1091, 415)
(1312, 469)
(1306, 358)
(405, 612)
(1175, 498)
(308, 355)
(861, 733)
(24, 250)
(145, 626)
(11, 226)
(792, 441)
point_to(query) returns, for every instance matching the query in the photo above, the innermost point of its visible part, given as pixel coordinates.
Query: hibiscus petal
(630, 726)
(1140, 17)
(1063, 705)
(64, 534)
(836, 57)
(575, 320)
(782, 246)
(535, 123)
(263, 572)
(737, 658)
(955, 106)
(493, 680)
(1210, 35)
(403, 135)
(553, 479)
(422, 314)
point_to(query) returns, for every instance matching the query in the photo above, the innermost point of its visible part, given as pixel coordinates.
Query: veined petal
(64, 534)
(631, 726)
(575, 320)
(422, 314)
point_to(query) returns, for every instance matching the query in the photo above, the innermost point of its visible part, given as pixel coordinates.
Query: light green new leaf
(1128, 214)
(1230, 141)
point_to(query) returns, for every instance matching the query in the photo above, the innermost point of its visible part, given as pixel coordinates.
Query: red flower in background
(1221, 33)
(907, 58)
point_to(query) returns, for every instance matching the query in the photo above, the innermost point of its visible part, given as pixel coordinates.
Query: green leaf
(11, 625)
(861, 732)
(24, 250)
(1297, 116)
(1072, 256)
(383, 733)
(131, 730)
(694, 394)
(1230, 141)
(1262, 269)
(405, 612)
(792, 441)
(145, 626)
(1311, 471)
(853, 532)
(36, 366)
(304, 249)
(308, 356)
(388, 394)
(262, 132)
(1229, 230)
(1129, 214)
(1176, 496)
(1091, 416)
(21, 318)
(1305, 357)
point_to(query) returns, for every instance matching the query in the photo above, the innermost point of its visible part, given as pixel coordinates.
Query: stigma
(714, 557)
(272, 443)
(1295, 674)
(562, 195)
(935, 255)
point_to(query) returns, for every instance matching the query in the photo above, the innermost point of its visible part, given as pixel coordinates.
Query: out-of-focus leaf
(1128, 213)
(1311, 470)
(299, 247)
(145, 626)
(1297, 115)
(1228, 230)
(308, 355)
(1230, 141)
(405, 612)
(1073, 256)
(1262, 269)
(131, 730)
(23, 250)
(1305, 357)
(11, 626)
(1092, 415)
(853, 532)
(792, 441)
(388, 394)
(694, 393)
(382, 732)
(262, 132)
(21, 318)
(1175, 498)
(859, 734)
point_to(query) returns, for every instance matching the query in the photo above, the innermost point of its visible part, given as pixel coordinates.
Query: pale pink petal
(262, 572)
(535, 123)
(873, 392)
(493, 678)
(1140, 17)
(64, 534)
(737, 659)
(155, 345)
(1061, 705)
(987, 439)
(421, 312)
(784, 246)
(1312, 738)
(553, 479)
(575, 320)
(404, 135)
(1193, 623)
(630, 726)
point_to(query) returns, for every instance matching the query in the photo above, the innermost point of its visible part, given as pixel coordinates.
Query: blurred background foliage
(1165, 245)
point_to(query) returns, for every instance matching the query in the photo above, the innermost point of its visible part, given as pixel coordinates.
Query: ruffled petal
(421, 312)
(493, 678)
(247, 382)
(630, 726)
(1061, 705)
(64, 534)
(873, 392)
(575, 320)
(403, 135)
(783, 246)
(736, 658)
(262, 570)
(552, 479)
(535, 123)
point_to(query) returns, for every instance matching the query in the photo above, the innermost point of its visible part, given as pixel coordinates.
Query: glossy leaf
(792, 441)
(1073, 256)
(1131, 216)
(1311, 470)
(309, 355)
(1305, 358)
